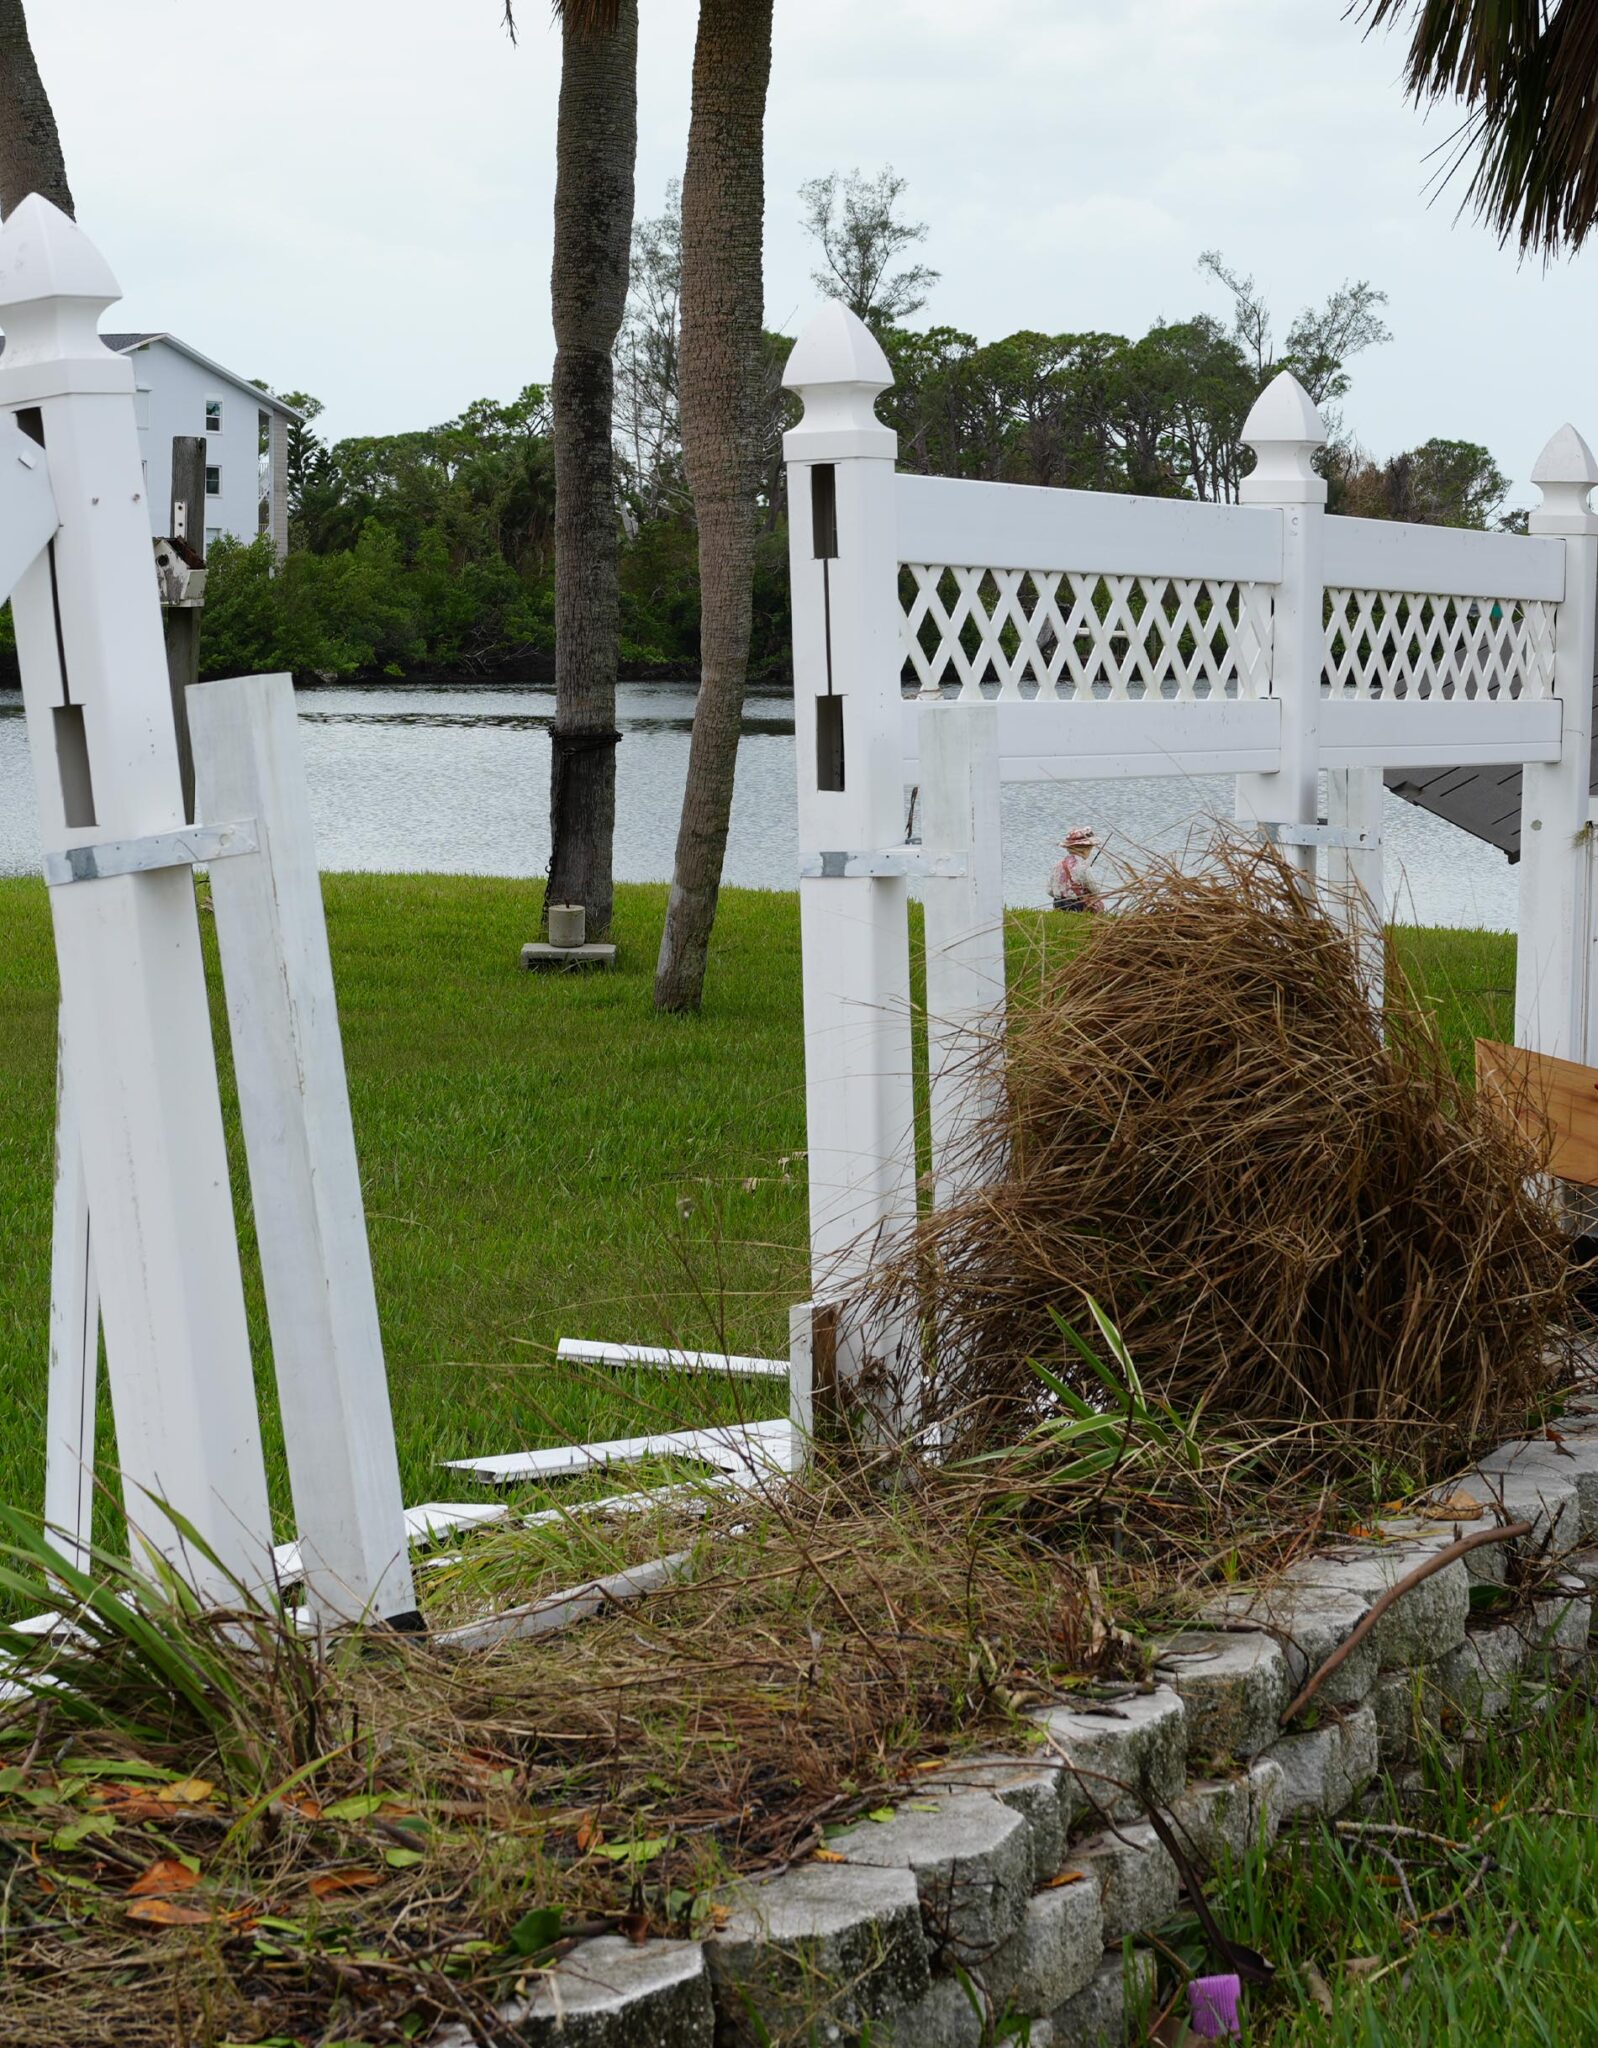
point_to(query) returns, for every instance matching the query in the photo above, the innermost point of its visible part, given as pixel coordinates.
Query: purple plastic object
(1212, 2002)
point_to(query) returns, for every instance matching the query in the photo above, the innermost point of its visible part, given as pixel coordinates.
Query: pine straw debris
(211, 1830)
(1294, 1221)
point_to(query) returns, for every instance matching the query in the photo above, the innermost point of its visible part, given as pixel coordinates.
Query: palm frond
(1527, 72)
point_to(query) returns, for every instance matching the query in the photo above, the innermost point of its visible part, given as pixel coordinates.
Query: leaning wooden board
(1554, 1101)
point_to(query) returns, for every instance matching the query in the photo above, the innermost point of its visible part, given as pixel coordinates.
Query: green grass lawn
(543, 1156)
(1510, 1842)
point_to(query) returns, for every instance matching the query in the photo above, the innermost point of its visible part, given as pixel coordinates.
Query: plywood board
(1554, 1101)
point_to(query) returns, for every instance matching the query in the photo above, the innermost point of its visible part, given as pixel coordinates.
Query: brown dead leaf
(354, 1879)
(164, 1876)
(1362, 1966)
(1320, 1991)
(129, 1802)
(1459, 1507)
(173, 1913)
(186, 1792)
(829, 1856)
(589, 1833)
(301, 1803)
(1053, 1884)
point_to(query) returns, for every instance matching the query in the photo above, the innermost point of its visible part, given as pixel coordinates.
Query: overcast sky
(353, 197)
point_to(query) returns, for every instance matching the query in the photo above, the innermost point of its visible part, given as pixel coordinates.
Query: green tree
(856, 224)
(1525, 73)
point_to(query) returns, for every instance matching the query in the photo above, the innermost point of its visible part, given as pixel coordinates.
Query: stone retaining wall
(1016, 1887)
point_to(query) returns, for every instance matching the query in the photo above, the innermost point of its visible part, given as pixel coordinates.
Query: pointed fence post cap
(1565, 472)
(1284, 428)
(54, 285)
(838, 369)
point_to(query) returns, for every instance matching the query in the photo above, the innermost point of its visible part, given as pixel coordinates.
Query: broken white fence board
(140, 1058)
(304, 1179)
(750, 1447)
(74, 1376)
(583, 1351)
(559, 1610)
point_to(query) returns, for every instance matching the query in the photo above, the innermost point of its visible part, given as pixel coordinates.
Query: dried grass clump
(1294, 1223)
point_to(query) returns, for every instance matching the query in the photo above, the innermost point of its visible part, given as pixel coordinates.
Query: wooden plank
(584, 1351)
(1554, 1101)
(299, 1142)
(1382, 554)
(1026, 526)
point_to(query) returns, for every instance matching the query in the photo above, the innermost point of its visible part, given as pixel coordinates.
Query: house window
(212, 535)
(213, 415)
(213, 481)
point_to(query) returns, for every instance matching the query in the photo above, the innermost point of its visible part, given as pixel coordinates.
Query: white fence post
(959, 757)
(74, 1379)
(141, 1066)
(1553, 968)
(1284, 430)
(304, 1179)
(1352, 877)
(847, 719)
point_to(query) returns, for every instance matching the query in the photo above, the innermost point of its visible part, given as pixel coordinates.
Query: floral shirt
(1075, 881)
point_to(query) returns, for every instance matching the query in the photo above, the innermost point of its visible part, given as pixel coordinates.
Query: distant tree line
(433, 551)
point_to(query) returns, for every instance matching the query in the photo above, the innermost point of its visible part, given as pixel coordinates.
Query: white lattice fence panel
(1394, 643)
(1036, 632)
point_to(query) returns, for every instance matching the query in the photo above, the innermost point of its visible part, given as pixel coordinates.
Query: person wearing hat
(1073, 885)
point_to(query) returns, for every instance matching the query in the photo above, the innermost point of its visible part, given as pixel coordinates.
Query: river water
(456, 781)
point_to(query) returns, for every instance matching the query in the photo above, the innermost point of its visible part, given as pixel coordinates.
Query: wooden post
(304, 1179)
(1553, 973)
(959, 756)
(1284, 430)
(139, 1058)
(181, 617)
(847, 714)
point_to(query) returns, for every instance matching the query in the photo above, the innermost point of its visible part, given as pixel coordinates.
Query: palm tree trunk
(30, 147)
(723, 220)
(595, 147)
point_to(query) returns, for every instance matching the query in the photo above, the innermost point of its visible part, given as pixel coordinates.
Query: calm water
(456, 780)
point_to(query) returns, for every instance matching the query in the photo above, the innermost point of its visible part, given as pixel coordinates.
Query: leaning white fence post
(141, 1066)
(1284, 430)
(848, 715)
(305, 1183)
(1553, 969)
(1353, 882)
(958, 749)
(73, 1386)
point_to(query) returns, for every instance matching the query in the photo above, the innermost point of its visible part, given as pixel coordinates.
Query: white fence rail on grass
(958, 635)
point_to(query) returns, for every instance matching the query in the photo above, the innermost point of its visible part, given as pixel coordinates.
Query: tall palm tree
(596, 138)
(1527, 71)
(722, 373)
(30, 146)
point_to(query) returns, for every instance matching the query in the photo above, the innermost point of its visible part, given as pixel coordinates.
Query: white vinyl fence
(1053, 634)
(145, 1240)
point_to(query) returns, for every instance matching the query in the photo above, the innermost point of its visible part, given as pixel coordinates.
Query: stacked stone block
(1012, 1887)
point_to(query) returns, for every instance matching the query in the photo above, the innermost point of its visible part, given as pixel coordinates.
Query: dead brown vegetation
(1294, 1221)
